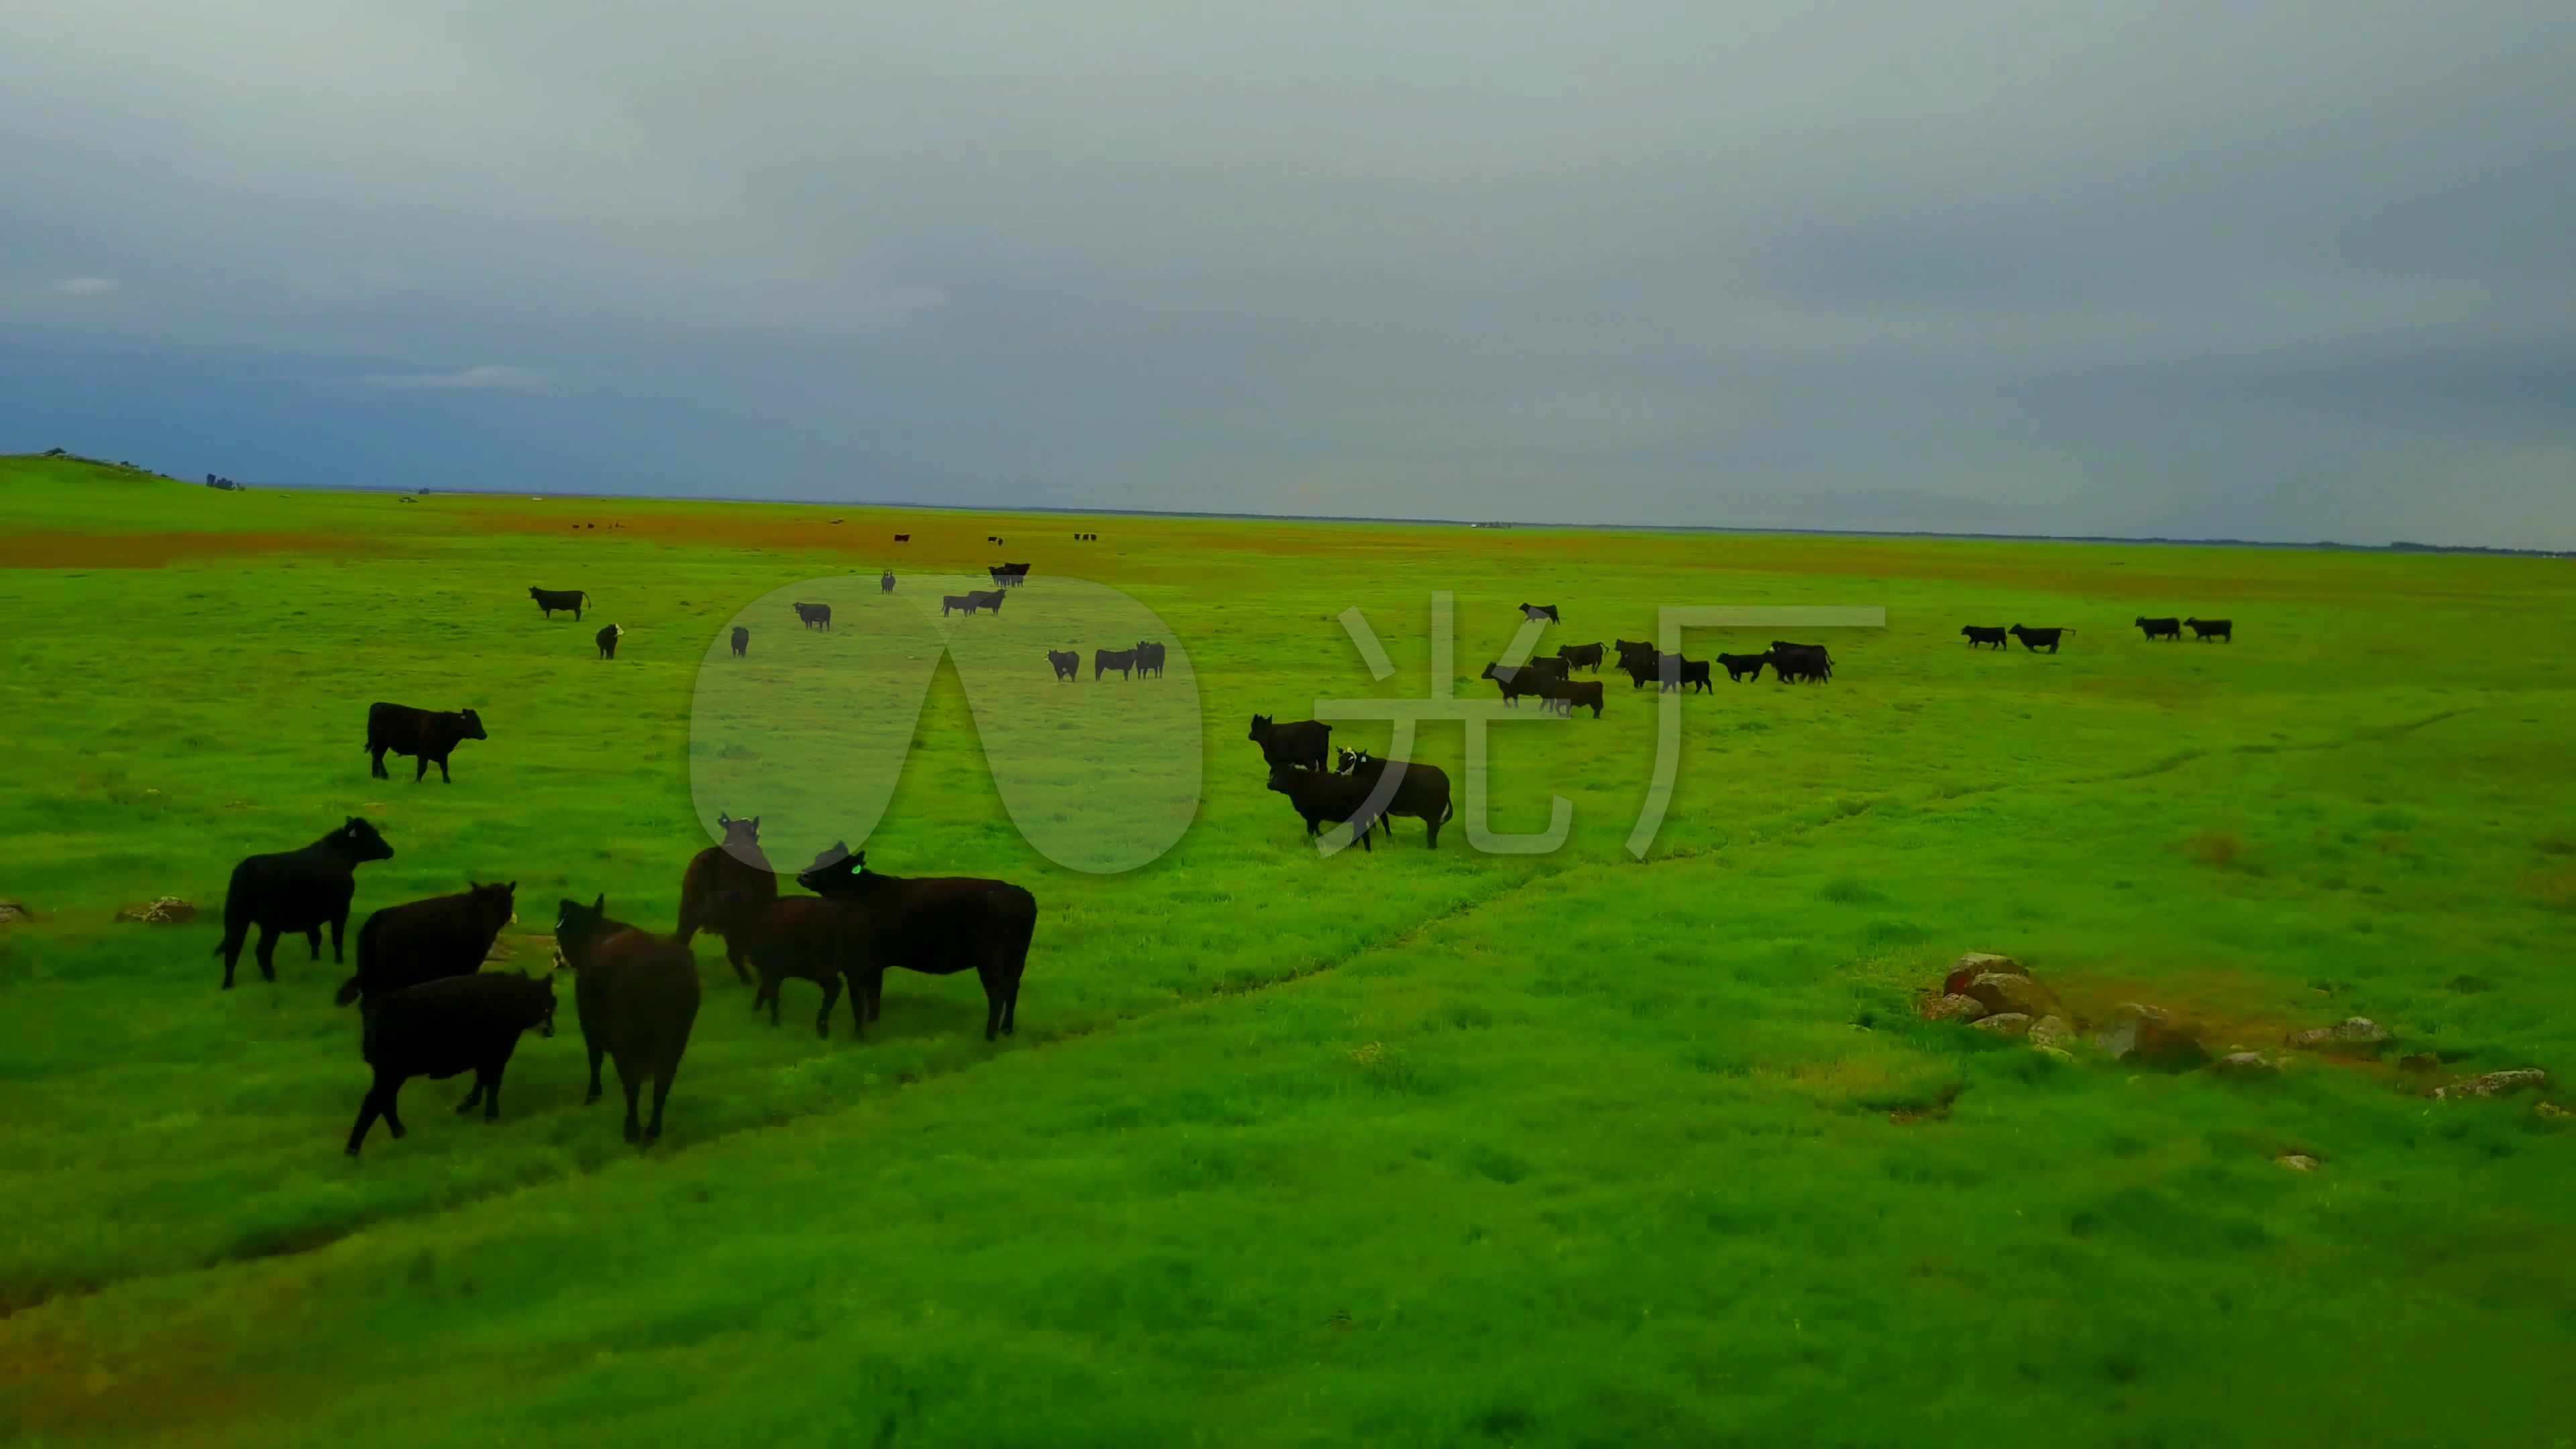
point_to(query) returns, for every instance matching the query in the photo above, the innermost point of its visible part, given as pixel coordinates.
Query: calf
(607, 640)
(1540, 611)
(297, 890)
(1322, 799)
(1677, 672)
(2204, 630)
(1304, 742)
(1566, 694)
(937, 925)
(814, 616)
(636, 997)
(1977, 636)
(1104, 660)
(2160, 628)
(550, 600)
(441, 1028)
(419, 941)
(1067, 662)
(430, 735)
(808, 940)
(1741, 667)
(2034, 639)
(1149, 657)
(1421, 791)
(1581, 656)
(741, 641)
(724, 890)
(885, 582)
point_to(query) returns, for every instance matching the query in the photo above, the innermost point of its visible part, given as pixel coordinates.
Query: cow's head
(540, 1004)
(1284, 778)
(1260, 727)
(360, 842)
(1349, 760)
(473, 725)
(498, 898)
(835, 867)
(535, 593)
(575, 925)
(740, 832)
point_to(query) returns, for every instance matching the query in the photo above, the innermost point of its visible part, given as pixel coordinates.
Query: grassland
(1403, 1148)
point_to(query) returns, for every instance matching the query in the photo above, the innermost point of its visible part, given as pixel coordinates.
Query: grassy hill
(1408, 1147)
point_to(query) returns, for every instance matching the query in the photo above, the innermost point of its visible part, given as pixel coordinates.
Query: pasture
(1405, 1147)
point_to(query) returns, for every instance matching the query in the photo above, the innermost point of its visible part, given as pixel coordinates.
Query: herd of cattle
(427, 1007)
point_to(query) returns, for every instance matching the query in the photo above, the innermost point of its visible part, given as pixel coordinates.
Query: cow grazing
(1540, 611)
(1304, 742)
(1800, 663)
(1741, 667)
(1581, 656)
(724, 890)
(440, 1028)
(1977, 636)
(2160, 628)
(937, 925)
(1679, 673)
(636, 997)
(1566, 694)
(2204, 630)
(814, 616)
(1321, 799)
(741, 641)
(607, 639)
(1067, 663)
(405, 945)
(550, 600)
(885, 582)
(809, 940)
(430, 735)
(297, 890)
(1422, 791)
(1512, 682)
(2035, 639)
(1149, 659)
(1105, 660)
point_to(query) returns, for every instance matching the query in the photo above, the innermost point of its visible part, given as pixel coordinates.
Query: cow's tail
(350, 989)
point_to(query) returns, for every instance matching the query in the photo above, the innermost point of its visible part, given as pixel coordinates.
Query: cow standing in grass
(1149, 659)
(2033, 640)
(1105, 660)
(1741, 667)
(430, 735)
(1321, 799)
(607, 640)
(443, 1027)
(2160, 628)
(403, 946)
(724, 890)
(1066, 662)
(1304, 742)
(297, 890)
(1421, 791)
(936, 925)
(550, 600)
(1978, 635)
(1581, 656)
(636, 996)
(741, 641)
(814, 616)
(2204, 630)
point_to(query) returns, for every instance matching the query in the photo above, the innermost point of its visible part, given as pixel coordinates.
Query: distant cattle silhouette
(2205, 630)
(903, 538)
(814, 616)
(550, 600)
(885, 583)
(1977, 636)
(741, 641)
(962, 603)
(1066, 662)
(1105, 660)
(1677, 672)
(428, 735)
(2034, 639)
(1540, 611)
(2160, 628)
(607, 639)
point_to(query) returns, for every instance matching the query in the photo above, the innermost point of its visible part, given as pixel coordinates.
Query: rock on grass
(2152, 1037)
(2352, 1036)
(2496, 1084)
(1953, 1008)
(2004, 1023)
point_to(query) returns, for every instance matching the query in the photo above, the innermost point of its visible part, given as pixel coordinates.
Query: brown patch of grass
(2218, 848)
(2554, 887)
(50, 550)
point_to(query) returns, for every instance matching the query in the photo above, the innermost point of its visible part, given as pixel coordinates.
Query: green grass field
(1399, 1148)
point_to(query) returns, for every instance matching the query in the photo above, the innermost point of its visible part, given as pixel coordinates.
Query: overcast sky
(2273, 269)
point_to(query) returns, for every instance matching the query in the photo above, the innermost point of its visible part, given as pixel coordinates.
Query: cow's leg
(1011, 1009)
(423, 772)
(234, 931)
(443, 777)
(368, 1110)
(473, 1099)
(831, 998)
(492, 1097)
(630, 1083)
(267, 951)
(858, 1005)
(738, 955)
(339, 923)
(377, 770)
(313, 939)
(592, 1095)
(661, 1094)
(992, 1005)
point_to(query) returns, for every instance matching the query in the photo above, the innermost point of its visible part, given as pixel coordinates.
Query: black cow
(1677, 672)
(937, 925)
(1977, 636)
(2161, 628)
(1512, 682)
(1149, 659)
(809, 940)
(814, 616)
(1421, 791)
(1067, 662)
(1824, 661)
(297, 890)
(1321, 799)
(741, 641)
(2205, 630)
(2032, 639)
(724, 890)
(962, 603)
(1581, 656)
(885, 582)
(1642, 669)
(419, 941)
(989, 600)
(552, 599)
(431, 735)
(1741, 667)
(636, 997)
(441, 1028)
(1800, 663)
(1104, 660)
(903, 538)
(1540, 611)
(1304, 742)
(607, 639)
(1565, 694)
(1627, 648)
(1009, 575)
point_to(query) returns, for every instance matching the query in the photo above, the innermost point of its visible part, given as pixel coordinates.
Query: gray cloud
(487, 377)
(2292, 270)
